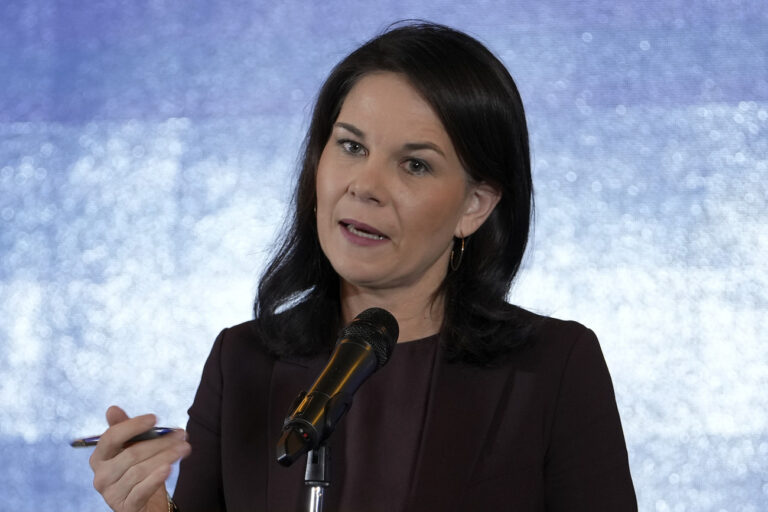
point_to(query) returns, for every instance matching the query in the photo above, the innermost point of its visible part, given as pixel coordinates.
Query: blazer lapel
(460, 419)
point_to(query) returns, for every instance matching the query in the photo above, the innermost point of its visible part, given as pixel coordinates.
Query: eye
(351, 147)
(416, 166)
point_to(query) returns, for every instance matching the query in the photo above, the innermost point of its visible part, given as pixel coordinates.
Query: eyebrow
(410, 146)
(415, 146)
(351, 128)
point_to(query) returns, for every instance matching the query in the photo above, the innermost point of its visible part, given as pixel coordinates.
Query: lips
(362, 230)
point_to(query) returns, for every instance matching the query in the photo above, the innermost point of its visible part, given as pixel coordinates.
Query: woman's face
(391, 192)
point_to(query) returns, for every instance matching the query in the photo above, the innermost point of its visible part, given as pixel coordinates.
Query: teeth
(352, 229)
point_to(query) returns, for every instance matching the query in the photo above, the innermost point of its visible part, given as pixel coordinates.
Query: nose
(368, 182)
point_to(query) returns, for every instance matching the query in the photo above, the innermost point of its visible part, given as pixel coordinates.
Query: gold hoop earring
(455, 264)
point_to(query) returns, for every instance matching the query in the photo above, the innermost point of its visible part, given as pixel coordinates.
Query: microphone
(363, 347)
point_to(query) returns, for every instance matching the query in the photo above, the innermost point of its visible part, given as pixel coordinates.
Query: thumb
(116, 415)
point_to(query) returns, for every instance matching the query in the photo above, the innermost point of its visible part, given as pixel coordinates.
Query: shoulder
(245, 342)
(560, 336)
(542, 326)
(245, 332)
(553, 344)
(240, 342)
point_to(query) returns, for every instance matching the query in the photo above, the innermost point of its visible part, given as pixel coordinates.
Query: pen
(152, 433)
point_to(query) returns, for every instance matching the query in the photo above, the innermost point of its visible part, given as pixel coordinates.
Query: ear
(480, 202)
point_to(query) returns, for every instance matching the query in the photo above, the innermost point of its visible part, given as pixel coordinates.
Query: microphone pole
(317, 476)
(363, 347)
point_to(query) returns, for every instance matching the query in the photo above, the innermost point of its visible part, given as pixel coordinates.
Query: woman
(415, 195)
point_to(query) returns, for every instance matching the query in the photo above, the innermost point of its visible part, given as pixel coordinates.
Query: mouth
(362, 230)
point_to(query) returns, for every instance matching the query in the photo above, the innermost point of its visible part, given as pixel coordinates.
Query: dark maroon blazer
(539, 432)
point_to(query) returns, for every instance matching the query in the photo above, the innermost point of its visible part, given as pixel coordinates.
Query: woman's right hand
(132, 478)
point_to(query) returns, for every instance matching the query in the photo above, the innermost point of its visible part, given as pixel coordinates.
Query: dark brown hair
(297, 306)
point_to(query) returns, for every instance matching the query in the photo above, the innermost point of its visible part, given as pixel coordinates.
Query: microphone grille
(377, 327)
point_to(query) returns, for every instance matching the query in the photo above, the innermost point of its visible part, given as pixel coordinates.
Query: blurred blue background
(147, 150)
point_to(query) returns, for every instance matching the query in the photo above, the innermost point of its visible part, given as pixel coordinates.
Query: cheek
(329, 187)
(323, 208)
(437, 214)
(325, 183)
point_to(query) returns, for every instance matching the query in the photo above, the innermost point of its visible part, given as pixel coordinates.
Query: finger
(139, 452)
(135, 497)
(113, 439)
(131, 464)
(137, 475)
(141, 493)
(115, 415)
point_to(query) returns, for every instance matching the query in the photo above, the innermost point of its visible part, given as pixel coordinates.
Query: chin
(362, 280)
(354, 270)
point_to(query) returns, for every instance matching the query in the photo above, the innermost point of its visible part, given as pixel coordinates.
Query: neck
(418, 316)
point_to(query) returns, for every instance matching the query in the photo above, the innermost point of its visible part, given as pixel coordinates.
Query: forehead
(387, 102)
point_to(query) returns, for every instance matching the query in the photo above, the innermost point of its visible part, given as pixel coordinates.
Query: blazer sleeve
(586, 466)
(199, 487)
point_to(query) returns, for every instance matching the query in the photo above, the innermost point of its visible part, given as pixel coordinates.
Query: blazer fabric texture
(539, 432)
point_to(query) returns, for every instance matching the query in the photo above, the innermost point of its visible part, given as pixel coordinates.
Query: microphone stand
(294, 441)
(362, 347)
(318, 476)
